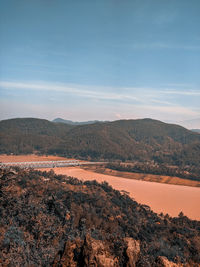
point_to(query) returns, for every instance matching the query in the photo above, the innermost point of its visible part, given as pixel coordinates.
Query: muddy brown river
(171, 199)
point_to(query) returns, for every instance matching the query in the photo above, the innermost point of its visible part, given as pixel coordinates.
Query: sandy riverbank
(144, 176)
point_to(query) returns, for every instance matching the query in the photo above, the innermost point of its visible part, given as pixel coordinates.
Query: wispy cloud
(145, 100)
(124, 103)
(183, 85)
(181, 92)
(176, 110)
(162, 45)
(83, 91)
(137, 94)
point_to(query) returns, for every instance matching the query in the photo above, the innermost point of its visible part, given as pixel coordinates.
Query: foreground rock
(97, 253)
(164, 262)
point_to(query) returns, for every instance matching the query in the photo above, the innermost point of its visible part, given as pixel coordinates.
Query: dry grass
(28, 158)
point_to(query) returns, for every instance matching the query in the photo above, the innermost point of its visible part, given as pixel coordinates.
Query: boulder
(132, 251)
(97, 254)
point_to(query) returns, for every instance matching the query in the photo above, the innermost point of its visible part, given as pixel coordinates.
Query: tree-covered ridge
(23, 136)
(187, 172)
(54, 220)
(133, 140)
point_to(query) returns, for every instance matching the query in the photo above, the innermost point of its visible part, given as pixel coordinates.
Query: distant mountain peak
(60, 120)
(196, 130)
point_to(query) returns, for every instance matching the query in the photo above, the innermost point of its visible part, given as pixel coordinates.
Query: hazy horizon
(189, 124)
(100, 60)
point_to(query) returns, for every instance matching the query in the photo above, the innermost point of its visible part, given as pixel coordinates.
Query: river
(171, 199)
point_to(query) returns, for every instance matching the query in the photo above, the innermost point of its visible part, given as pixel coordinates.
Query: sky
(100, 59)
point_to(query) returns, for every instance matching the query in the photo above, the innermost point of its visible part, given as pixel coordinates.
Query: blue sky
(100, 59)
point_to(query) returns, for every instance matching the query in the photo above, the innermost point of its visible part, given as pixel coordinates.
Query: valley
(162, 193)
(165, 198)
(131, 195)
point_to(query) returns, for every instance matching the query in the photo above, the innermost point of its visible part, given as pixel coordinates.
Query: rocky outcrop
(90, 252)
(132, 251)
(164, 262)
(68, 258)
(97, 253)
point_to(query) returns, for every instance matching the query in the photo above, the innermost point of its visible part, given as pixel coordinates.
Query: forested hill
(27, 135)
(141, 140)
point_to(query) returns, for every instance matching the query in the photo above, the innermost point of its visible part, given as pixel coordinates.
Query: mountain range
(133, 140)
(189, 124)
